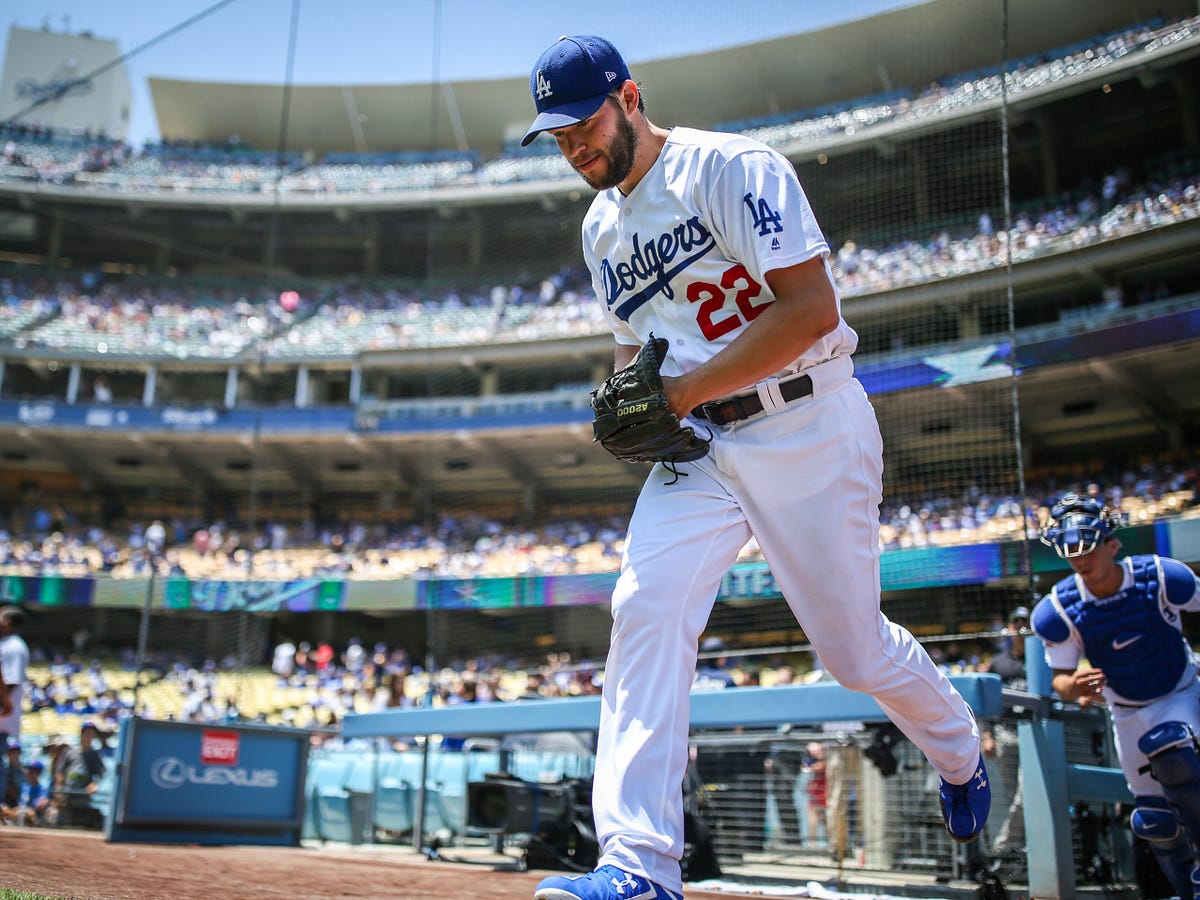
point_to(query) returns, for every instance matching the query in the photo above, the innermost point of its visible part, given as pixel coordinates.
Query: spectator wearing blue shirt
(33, 800)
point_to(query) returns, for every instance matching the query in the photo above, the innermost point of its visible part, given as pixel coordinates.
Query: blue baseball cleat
(605, 883)
(965, 806)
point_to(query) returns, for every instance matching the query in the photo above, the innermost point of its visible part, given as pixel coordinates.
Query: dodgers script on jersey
(686, 253)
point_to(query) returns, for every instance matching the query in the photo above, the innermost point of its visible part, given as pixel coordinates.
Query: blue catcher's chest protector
(1143, 655)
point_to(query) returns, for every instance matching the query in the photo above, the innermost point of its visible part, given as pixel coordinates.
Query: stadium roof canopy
(907, 48)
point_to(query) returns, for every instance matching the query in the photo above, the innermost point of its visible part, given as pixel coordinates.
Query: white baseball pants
(806, 482)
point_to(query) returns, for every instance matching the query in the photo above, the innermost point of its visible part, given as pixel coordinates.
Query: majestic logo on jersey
(652, 264)
(543, 86)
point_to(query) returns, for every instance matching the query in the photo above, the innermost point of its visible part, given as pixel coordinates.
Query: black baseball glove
(633, 420)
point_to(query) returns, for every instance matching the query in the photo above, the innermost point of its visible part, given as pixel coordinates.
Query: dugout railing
(1057, 804)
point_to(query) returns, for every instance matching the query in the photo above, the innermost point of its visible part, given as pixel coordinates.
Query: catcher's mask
(1078, 525)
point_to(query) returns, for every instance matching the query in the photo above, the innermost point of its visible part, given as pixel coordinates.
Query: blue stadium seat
(337, 813)
(406, 769)
(394, 808)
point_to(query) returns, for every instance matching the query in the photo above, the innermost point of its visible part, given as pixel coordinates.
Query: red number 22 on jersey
(711, 298)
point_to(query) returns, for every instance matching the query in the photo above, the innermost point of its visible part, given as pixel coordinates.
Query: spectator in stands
(1006, 831)
(1009, 659)
(32, 804)
(199, 705)
(843, 774)
(155, 537)
(14, 661)
(92, 747)
(814, 784)
(231, 712)
(67, 775)
(393, 695)
(712, 673)
(354, 656)
(283, 660)
(323, 658)
(304, 661)
(101, 392)
(10, 788)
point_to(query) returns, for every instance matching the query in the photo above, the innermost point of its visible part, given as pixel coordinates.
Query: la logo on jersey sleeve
(764, 219)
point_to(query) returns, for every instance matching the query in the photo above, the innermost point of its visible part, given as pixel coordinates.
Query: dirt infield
(80, 865)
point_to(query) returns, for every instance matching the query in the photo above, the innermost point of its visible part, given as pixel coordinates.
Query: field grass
(6, 894)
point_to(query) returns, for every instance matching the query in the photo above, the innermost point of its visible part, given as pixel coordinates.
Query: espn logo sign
(219, 748)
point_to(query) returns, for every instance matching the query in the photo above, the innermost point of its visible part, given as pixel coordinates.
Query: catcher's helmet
(1078, 525)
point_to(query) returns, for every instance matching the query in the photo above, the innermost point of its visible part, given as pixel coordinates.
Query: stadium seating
(395, 797)
(97, 164)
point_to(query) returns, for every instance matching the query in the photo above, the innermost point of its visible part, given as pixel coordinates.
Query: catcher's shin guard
(1155, 822)
(1171, 750)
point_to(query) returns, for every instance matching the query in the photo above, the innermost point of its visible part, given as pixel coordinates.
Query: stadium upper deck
(240, 174)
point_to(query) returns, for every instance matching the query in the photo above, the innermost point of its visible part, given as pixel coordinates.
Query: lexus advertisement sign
(228, 782)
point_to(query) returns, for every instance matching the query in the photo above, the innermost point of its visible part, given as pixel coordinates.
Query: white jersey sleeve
(752, 192)
(1063, 656)
(685, 255)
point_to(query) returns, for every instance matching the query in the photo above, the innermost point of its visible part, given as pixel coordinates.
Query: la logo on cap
(543, 86)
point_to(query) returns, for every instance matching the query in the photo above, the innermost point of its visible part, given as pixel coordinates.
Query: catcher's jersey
(1135, 635)
(685, 254)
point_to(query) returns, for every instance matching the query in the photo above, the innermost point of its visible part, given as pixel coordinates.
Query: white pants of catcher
(806, 482)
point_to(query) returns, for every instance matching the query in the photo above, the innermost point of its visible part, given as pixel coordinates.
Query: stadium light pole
(152, 551)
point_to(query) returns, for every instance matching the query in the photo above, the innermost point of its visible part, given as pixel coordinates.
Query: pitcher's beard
(619, 155)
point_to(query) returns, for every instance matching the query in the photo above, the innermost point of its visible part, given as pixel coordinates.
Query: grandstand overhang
(905, 48)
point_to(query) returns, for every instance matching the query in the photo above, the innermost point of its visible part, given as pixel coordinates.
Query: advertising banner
(397, 594)
(130, 417)
(302, 595)
(236, 783)
(46, 590)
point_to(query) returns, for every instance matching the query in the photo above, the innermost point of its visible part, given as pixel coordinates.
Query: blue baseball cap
(570, 81)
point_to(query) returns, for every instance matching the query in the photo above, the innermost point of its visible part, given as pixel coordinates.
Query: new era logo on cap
(571, 79)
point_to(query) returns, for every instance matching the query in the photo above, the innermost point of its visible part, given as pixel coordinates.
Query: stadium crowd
(313, 684)
(967, 89)
(49, 539)
(157, 317)
(97, 163)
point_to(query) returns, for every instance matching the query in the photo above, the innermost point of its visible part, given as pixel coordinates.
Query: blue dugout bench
(1050, 782)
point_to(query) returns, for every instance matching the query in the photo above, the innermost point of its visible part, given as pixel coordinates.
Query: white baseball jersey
(685, 255)
(14, 660)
